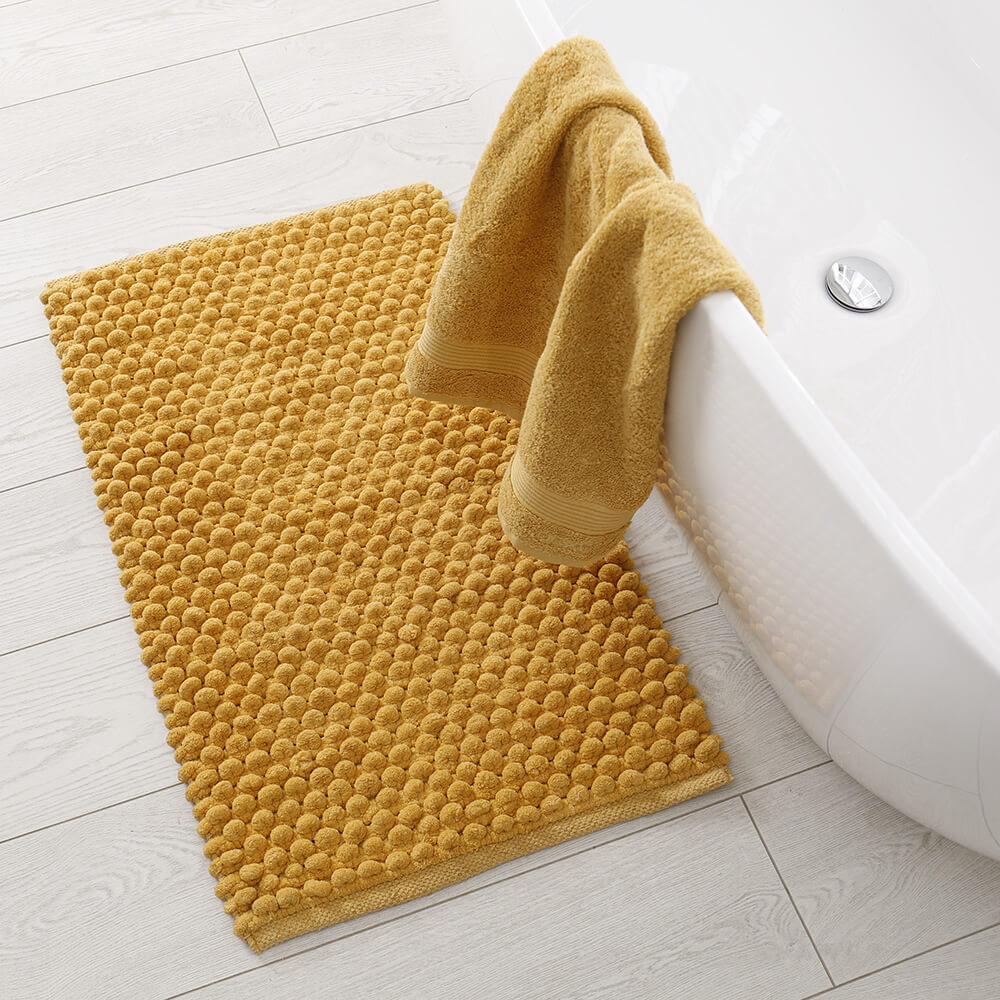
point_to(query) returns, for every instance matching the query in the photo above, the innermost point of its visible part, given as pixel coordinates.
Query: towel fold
(574, 257)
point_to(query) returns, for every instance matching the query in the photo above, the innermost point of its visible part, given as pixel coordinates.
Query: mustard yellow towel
(574, 257)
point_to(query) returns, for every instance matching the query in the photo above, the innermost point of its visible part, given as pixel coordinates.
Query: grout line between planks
(42, 479)
(784, 885)
(688, 614)
(54, 638)
(26, 340)
(901, 961)
(90, 812)
(267, 117)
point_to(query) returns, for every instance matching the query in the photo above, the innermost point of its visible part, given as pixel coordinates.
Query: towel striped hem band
(497, 359)
(574, 513)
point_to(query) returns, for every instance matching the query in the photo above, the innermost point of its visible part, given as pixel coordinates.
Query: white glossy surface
(866, 635)
(871, 129)
(849, 466)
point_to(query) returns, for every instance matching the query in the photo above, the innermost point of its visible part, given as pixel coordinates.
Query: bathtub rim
(856, 485)
(848, 476)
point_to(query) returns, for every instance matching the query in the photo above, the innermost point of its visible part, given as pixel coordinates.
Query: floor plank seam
(42, 479)
(27, 340)
(221, 163)
(90, 812)
(901, 961)
(64, 635)
(253, 83)
(138, 184)
(784, 885)
(684, 614)
(208, 55)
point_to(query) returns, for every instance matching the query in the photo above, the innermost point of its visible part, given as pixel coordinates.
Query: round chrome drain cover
(859, 284)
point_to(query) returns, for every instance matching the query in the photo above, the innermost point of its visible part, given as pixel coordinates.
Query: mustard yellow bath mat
(371, 694)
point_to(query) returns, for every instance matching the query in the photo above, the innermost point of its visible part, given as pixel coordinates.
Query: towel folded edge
(537, 536)
(470, 385)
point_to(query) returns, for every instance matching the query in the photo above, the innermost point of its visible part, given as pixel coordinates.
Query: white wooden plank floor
(128, 131)
(128, 125)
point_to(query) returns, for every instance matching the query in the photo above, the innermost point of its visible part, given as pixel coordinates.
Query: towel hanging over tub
(575, 255)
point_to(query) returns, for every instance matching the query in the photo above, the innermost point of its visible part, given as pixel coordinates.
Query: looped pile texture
(370, 693)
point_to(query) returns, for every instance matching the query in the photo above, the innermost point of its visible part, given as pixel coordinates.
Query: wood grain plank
(127, 132)
(59, 45)
(690, 903)
(872, 886)
(79, 728)
(354, 74)
(441, 146)
(58, 573)
(966, 970)
(115, 904)
(38, 436)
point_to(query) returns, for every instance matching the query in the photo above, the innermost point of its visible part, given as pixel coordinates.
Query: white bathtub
(842, 476)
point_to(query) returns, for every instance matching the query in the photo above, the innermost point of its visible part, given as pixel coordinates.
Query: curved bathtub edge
(848, 475)
(926, 665)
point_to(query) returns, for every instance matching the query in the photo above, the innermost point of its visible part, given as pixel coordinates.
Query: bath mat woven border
(370, 693)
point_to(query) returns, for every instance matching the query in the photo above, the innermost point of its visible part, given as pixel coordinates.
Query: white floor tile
(126, 132)
(872, 886)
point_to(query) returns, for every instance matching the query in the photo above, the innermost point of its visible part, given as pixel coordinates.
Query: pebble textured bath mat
(370, 693)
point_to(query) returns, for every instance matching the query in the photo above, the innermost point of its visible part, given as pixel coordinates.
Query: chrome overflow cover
(859, 284)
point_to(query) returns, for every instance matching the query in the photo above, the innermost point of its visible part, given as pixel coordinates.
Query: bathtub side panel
(848, 635)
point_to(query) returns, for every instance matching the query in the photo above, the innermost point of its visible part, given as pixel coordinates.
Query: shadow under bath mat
(370, 693)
